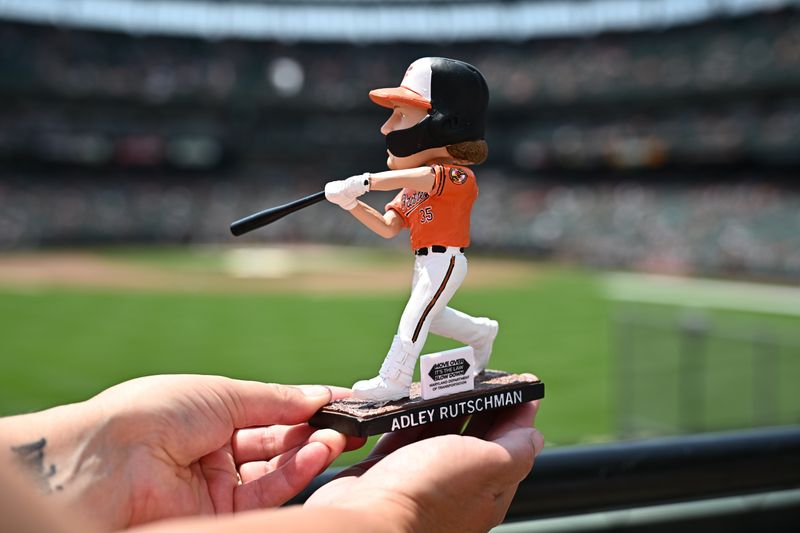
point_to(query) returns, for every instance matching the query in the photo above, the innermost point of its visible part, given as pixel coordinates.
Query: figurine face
(403, 117)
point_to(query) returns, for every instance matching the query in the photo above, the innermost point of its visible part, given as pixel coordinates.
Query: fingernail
(321, 435)
(315, 391)
(538, 442)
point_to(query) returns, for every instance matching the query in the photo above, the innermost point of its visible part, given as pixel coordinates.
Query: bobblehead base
(493, 390)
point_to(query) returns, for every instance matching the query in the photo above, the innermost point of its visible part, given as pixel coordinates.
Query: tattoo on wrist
(31, 457)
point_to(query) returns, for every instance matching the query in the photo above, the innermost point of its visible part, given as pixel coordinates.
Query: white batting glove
(355, 186)
(335, 193)
(344, 192)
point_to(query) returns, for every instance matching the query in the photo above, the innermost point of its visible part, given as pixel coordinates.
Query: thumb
(252, 403)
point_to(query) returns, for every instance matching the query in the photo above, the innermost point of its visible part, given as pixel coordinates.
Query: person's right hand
(425, 479)
(177, 445)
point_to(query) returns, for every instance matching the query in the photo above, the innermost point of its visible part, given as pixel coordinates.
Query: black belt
(437, 249)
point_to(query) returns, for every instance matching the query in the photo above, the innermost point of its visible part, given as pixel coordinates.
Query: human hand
(168, 446)
(433, 479)
(344, 192)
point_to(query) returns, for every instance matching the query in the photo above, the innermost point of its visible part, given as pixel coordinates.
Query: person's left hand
(186, 445)
(456, 475)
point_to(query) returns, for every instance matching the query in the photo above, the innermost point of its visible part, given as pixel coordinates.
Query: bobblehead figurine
(435, 131)
(433, 135)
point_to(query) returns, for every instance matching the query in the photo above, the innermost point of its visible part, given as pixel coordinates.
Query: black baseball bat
(268, 216)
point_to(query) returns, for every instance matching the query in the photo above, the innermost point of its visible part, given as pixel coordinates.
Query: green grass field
(63, 344)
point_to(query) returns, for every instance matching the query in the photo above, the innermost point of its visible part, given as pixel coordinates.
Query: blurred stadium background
(637, 233)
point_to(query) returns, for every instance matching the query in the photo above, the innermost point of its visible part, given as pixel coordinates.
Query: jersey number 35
(425, 215)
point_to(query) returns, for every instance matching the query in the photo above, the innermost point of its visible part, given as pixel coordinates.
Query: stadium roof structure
(364, 21)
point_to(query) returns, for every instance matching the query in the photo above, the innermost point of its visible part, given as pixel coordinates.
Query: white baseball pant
(437, 277)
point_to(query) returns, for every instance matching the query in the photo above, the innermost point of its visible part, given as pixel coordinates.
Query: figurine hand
(356, 186)
(334, 193)
(433, 479)
(167, 446)
(344, 192)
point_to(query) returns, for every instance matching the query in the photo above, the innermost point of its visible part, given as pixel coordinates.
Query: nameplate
(493, 390)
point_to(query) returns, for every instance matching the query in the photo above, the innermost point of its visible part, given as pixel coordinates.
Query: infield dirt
(302, 268)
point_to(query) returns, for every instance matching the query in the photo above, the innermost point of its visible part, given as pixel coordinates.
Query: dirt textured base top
(493, 390)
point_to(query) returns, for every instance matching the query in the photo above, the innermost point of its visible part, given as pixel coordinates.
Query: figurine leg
(476, 332)
(436, 279)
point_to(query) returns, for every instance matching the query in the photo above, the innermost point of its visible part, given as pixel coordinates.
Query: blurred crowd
(707, 58)
(755, 131)
(725, 90)
(112, 137)
(720, 54)
(747, 229)
(750, 228)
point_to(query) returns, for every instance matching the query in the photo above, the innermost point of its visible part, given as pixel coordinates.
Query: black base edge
(444, 408)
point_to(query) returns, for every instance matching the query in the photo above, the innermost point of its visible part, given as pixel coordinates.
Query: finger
(538, 442)
(262, 444)
(339, 393)
(521, 416)
(277, 486)
(221, 405)
(285, 482)
(255, 469)
(220, 475)
(252, 444)
(397, 439)
(482, 424)
(354, 443)
(252, 403)
(514, 455)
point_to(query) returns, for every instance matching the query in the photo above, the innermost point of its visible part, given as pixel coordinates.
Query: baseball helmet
(453, 92)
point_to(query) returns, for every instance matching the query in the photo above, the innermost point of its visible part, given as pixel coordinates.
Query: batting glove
(335, 193)
(355, 186)
(344, 192)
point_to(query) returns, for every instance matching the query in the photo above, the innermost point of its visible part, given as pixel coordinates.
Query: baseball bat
(268, 216)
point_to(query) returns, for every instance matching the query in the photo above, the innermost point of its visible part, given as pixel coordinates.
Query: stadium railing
(714, 480)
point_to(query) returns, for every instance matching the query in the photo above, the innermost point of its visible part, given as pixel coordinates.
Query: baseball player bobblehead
(435, 129)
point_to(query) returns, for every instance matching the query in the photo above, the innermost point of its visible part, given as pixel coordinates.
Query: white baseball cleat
(394, 379)
(483, 348)
(379, 389)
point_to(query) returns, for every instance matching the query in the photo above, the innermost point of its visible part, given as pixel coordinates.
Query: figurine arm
(418, 179)
(344, 193)
(386, 225)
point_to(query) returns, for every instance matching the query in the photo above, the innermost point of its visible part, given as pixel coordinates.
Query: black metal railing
(584, 479)
(626, 474)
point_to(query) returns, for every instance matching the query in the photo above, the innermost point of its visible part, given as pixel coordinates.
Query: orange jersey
(440, 216)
